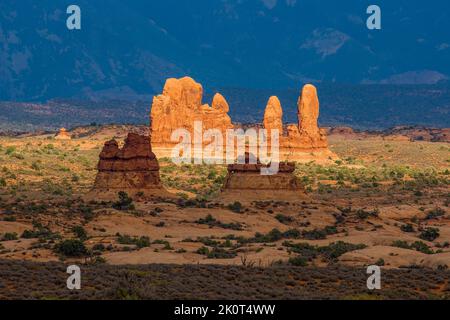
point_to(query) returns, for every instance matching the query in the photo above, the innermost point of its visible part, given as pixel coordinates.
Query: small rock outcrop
(244, 182)
(63, 135)
(133, 168)
(180, 105)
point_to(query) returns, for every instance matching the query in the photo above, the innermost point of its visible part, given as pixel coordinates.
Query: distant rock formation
(180, 105)
(133, 168)
(418, 133)
(245, 182)
(273, 116)
(63, 135)
(341, 131)
(305, 141)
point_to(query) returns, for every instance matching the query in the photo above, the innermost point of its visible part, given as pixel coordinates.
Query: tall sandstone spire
(308, 112)
(273, 116)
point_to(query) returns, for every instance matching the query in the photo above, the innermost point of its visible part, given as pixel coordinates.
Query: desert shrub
(18, 156)
(86, 212)
(71, 248)
(272, 236)
(10, 150)
(305, 250)
(235, 207)
(79, 232)
(208, 241)
(40, 232)
(401, 244)
(166, 244)
(9, 236)
(318, 234)
(2, 182)
(292, 234)
(298, 261)
(216, 253)
(35, 166)
(429, 234)
(212, 222)
(140, 242)
(407, 227)
(124, 203)
(207, 220)
(435, 213)
(421, 247)
(99, 247)
(330, 252)
(9, 219)
(363, 214)
(203, 251)
(380, 262)
(418, 246)
(336, 249)
(315, 234)
(284, 219)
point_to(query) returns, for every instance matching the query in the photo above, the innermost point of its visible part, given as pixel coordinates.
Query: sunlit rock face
(132, 168)
(245, 182)
(180, 105)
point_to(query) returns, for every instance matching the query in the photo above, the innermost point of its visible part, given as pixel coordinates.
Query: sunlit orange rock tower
(180, 105)
(133, 169)
(306, 140)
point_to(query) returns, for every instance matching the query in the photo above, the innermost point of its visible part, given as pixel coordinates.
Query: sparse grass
(139, 242)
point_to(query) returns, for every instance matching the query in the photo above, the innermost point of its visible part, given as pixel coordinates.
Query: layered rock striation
(133, 168)
(245, 181)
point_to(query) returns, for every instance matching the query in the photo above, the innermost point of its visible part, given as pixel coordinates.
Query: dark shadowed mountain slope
(126, 49)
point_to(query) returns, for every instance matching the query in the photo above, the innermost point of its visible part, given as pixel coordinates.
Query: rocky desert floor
(384, 203)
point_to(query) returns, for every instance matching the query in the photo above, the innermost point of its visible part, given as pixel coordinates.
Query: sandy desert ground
(384, 202)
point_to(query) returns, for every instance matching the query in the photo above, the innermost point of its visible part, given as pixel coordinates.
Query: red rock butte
(133, 169)
(180, 105)
(245, 182)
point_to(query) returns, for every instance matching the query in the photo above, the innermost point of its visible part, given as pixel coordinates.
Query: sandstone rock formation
(180, 105)
(305, 141)
(245, 182)
(273, 116)
(133, 168)
(308, 112)
(63, 135)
